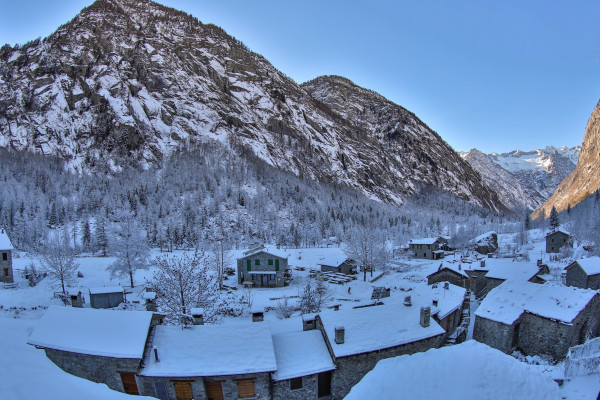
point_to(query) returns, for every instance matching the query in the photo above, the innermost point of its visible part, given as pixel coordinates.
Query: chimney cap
(339, 327)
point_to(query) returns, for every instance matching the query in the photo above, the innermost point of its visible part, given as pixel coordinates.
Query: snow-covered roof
(109, 333)
(375, 328)
(106, 289)
(470, 370)
(273, 272)
(451, 267)
(557, 231)
(300, 354)
(591, 266)
(512, 270)
(506, 302)
(424, 241)
(209, 350)
(448, 300)
(484, 236)
(5, 243)
(333, 260)
(273, 250)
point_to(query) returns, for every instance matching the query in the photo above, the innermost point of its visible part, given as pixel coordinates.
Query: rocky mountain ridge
(524, 180)
(585, 178)
(128, 82)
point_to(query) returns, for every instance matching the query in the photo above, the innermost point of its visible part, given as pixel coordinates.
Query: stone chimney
(308, 322)
(407, 301)
(482, 264)
(425, 316)
(435, 302)
(197, 315)
(446, 285)
(155, 353)
(258, 314)
(340, 332)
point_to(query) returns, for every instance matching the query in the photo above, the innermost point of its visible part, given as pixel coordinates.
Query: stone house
(106, 296)
(427, 248)
(450, 272)
(6, 249)
(557, 239)
(342, 265)
(544, 320)
(264, 267)
(359, 338)
(103, 346)
(485, 278)
(209, 362)
(584, 273)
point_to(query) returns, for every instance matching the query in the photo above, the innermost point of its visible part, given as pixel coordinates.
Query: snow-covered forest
(208, 192)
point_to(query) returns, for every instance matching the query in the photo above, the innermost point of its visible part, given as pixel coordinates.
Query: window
(296, 383)
(4, 256)
(249, 265)
(245, 389)
(564, 240)
(276, 265)
(214, 391)
(5, 271)
(552, 240)
(129, 383)
(270, 262)
(257, 262)
(183, 390)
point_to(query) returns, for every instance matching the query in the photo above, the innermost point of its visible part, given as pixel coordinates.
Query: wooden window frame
(6, 272)
(174, 381)
(244, 395)
(125, 389)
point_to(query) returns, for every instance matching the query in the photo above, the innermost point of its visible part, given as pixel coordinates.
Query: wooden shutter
(213, 390)
(245, 389)
(276, 265)
(129, 383)
(249, 265)
(183, 390)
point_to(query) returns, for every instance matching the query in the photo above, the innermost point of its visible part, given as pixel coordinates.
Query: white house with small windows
(263, 267)
(6, 249)
(428, 248)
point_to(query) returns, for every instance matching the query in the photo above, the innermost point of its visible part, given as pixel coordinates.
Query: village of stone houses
(425, 321)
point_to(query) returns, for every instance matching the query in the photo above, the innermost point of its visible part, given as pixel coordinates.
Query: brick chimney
(340, 332)
(425, 316)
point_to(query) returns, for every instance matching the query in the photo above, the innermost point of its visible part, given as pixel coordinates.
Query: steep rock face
(585, 179)
(127, 82)
(524, 180)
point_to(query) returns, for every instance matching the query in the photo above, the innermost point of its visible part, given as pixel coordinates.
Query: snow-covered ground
(21, 308)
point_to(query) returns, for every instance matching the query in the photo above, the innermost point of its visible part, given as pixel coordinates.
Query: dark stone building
(6, 249)
(557, 239)
(537, 319)
(584, 273)
(452, 273)
(345, 266)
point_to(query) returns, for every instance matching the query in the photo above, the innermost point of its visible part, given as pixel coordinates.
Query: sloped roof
(375, 328)
(424, 241)
(445, 373)
(449, 267)
(106, 289)
(109, 333)
(210, 350)
(300, 354)
(558, 231)
(591, 265)
(5, 243)
(506, 302)
(273, 250)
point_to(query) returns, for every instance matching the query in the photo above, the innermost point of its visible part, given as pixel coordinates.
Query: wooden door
(213, 390)
(324, 384)
(129, 383)
(183, 390)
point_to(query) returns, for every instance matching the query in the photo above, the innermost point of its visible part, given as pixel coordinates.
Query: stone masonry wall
(576, 277)
(446, 276)
(494, 334)
(282, 391)
(352, 369)
(264, 258)
(6, 264)
(95, 368)
(262, 385)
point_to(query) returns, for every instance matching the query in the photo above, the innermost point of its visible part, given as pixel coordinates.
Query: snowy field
(34, 376)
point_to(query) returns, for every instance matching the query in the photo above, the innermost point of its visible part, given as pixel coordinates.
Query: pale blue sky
(495, 75)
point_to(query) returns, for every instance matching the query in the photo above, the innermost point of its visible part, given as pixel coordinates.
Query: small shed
(341, 265)
(106, 297)
(379, 292)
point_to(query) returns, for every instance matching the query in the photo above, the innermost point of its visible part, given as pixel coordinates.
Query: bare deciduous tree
(130, 248)
(58, 260)
(368, 248)
(184, 282)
